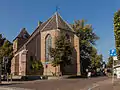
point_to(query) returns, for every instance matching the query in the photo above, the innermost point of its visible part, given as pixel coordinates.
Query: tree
(62, 53)
(87, 39)
(110, 62)
(1, 40)
(117, 32)
(37, 65)
(6, 51)
(96, 60)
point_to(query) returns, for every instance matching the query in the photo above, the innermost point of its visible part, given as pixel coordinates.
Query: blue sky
(16, 14)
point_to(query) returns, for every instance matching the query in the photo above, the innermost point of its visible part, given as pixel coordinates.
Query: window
(68, 37)
(48, 44)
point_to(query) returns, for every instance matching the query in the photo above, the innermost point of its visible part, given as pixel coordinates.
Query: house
(35, 46)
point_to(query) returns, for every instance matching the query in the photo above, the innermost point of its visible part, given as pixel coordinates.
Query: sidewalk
(5, 85)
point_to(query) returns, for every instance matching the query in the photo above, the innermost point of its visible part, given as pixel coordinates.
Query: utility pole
(113, 71)
(113, 54)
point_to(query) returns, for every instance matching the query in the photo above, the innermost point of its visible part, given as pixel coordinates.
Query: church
(35, 46)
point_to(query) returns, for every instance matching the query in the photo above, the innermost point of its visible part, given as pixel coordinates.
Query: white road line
(13, 88)
(94, 86)
(90, 87)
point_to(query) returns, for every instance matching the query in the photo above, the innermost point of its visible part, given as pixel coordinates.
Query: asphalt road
(63, 84)
(108, 85)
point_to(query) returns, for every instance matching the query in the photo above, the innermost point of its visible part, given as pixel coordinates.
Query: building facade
(35, 46)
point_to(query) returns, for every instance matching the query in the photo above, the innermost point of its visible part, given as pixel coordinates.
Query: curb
(13, 88)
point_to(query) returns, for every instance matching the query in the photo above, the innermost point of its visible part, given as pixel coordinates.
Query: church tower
(20, 40)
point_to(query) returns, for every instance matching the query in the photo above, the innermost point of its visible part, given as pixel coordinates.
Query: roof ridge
(47, 22)
(66, 23)
(56, 19)
(23, 30)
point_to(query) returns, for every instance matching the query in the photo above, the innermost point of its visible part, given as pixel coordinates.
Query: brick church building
(36, 45)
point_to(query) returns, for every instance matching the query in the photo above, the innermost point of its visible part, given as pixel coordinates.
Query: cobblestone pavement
(98, 83)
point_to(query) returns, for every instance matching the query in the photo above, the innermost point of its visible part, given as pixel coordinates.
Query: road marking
(13, 88)
(90, 87)
(94, 86)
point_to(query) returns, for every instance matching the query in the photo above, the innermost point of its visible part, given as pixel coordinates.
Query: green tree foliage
(117, 32)
(110, 62)
(87, 40)
(96, 60)
(35, 64)
(6, 51)
(62, 53)
(1, 40)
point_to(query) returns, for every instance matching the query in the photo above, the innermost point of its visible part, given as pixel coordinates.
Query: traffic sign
(115, 58)
(113, 52)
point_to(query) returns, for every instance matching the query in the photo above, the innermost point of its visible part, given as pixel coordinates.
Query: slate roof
(22, 33)
(56, 22)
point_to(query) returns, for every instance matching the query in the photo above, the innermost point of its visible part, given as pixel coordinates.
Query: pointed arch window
(48, 44)
(68, 37)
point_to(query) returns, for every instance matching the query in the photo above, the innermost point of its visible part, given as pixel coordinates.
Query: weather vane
(57, 8)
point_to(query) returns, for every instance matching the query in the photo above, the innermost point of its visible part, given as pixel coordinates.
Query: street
(98, 83)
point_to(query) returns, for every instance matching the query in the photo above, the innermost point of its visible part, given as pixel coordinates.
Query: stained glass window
(48, 44)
